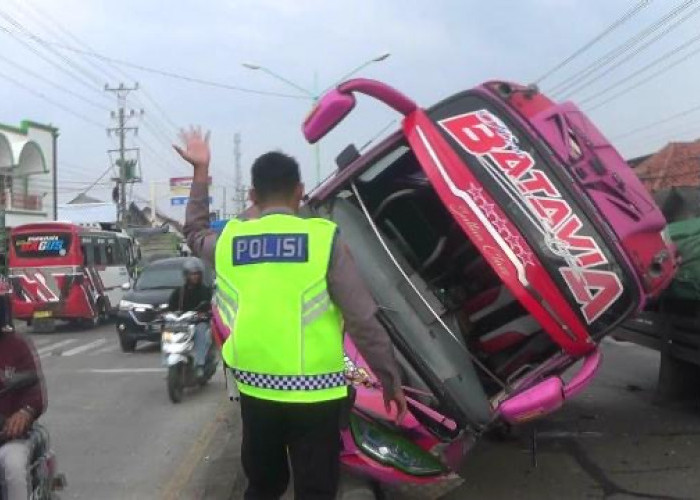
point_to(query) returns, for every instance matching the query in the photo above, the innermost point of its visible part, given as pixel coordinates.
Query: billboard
(180, 190)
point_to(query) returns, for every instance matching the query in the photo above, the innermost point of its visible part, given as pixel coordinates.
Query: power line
(53, 84)
(109, 169)
(657, 123)
(664, 57)
(650, 77)
(37, 17)
(159, 108)
(638, 50)
(616, 52)
(162, 72)
(612, 27)
(49, 100)
(31, 12)
(46, 45)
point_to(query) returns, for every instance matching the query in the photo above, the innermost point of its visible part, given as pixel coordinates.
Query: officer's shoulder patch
(258, 248)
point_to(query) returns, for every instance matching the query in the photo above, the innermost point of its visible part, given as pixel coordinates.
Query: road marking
(177, 482)
(47, 349)
(40, 342)
(83, 348)
(123, 370)
(103, 350)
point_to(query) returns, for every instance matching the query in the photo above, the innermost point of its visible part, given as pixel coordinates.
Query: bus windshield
(42, 245)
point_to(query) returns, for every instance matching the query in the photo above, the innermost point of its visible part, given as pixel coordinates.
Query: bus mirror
(126, 286)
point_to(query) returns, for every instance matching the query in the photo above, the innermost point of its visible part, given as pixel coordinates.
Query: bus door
(113, 271)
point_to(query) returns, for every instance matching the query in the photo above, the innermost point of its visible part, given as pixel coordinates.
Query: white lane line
(83, 348)
(39, 342)
(124, 370)
(105, 349)
(47, 349)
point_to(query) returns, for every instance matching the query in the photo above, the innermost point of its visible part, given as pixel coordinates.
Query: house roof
(676, 164)
(84, 198)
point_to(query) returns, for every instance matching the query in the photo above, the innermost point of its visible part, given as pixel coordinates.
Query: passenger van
(64, 271)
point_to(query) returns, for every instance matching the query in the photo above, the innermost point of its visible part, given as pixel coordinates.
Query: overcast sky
(437, 48)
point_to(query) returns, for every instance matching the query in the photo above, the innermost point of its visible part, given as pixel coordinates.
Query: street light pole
(314, 95)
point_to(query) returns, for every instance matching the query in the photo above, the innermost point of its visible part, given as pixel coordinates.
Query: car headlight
(127, 305)
(393, 450)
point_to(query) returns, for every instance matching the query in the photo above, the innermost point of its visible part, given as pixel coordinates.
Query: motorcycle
(177, 346)
(502, 237)
(44, 479)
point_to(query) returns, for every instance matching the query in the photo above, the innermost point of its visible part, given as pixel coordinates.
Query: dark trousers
(306, 433)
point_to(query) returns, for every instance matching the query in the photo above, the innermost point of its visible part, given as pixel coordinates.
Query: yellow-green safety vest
(286, 341)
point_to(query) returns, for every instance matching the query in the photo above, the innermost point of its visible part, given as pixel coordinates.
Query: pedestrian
(287, 287)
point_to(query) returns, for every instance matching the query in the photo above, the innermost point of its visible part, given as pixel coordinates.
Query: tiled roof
(676, 164)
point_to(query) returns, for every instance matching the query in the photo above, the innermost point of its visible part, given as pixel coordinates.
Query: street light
(314, 95)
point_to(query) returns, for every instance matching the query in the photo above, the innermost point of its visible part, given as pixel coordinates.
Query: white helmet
(192, 265)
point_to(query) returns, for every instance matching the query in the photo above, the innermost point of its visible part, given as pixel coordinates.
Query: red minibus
(64, 271)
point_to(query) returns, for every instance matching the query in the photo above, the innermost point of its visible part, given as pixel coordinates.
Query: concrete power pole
(127, 167)
(239, 191)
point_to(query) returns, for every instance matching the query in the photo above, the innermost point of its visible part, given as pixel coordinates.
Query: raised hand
(195, 147)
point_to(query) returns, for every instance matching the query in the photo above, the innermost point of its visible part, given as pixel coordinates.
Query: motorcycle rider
(20, 409)
(189, 297)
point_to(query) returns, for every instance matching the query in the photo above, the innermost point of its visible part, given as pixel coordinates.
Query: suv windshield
(160, 277)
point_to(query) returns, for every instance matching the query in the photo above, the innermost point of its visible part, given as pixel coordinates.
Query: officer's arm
(350, 294)
(200, 237)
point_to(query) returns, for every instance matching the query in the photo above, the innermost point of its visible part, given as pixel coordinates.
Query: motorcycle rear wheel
(176, 382)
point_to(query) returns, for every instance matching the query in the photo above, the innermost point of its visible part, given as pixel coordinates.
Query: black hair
(275, 175)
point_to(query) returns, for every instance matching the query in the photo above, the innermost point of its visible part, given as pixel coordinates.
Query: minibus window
(109, 252)
(97, 250)
(87, 245)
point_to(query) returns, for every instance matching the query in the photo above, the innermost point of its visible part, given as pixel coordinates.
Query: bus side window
(121, 252)
(99, 252)
(109, 254)
(88, 247)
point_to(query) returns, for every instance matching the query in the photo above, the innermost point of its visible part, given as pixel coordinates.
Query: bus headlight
(391, 449)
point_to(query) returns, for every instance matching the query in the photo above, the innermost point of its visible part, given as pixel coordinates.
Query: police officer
(288, 288)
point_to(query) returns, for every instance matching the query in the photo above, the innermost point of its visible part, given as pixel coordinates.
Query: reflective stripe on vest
(286, 332)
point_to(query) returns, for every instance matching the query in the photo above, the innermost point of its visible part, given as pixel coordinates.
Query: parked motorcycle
(44, 479)
(177, 345)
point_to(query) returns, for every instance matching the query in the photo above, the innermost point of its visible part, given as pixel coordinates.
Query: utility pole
(153, 204)
(223, 202)
(127, 167)
(238, 175)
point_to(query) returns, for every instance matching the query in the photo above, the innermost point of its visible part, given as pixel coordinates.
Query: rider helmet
(192, 265)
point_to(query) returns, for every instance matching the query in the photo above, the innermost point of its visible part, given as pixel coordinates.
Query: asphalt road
(116, 434)
(611, 442)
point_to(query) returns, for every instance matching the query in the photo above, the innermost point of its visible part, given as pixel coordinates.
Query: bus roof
(67, 226)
